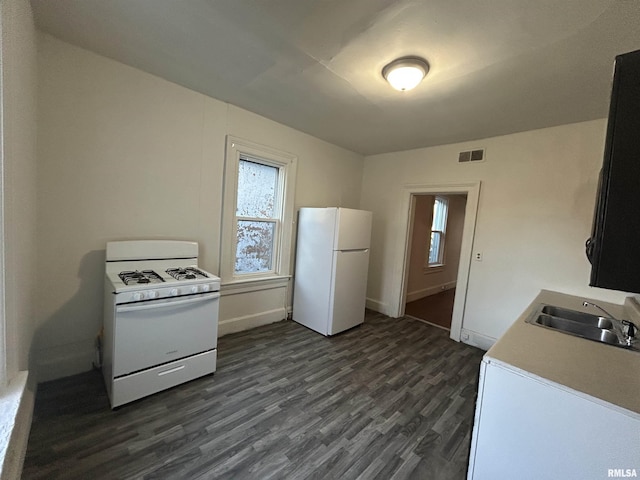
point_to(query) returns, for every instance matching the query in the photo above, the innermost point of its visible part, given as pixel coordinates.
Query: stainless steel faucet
(589, 304)
(628, 328)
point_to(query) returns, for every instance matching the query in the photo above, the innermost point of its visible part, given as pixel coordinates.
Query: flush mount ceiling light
(405, 73)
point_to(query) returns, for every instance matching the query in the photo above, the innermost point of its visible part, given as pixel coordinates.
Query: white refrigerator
(332, 260)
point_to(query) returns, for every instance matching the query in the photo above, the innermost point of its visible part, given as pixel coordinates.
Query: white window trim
(235, 148)
(3, 331)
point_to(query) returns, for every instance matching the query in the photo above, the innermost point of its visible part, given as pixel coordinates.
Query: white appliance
(332, 260)
(161, 318)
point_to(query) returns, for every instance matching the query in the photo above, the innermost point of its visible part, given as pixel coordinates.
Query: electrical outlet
(478, 256)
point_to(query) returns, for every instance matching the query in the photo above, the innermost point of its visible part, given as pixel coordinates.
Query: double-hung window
(258, 210)
(435, 252)
(258, 214)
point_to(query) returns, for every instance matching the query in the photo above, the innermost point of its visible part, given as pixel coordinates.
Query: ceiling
(497, 66)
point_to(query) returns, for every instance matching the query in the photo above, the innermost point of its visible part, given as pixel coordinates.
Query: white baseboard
(377, 306)
(476, 339)
(16, 413)
(65, 360)
(425, 292)
(247, 322)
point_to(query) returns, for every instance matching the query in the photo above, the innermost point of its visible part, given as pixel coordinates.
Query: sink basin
(580, 324)
(583, 330)
(581, 317)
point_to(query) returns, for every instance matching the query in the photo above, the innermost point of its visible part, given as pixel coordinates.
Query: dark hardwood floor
(436, 309)
(391, 399)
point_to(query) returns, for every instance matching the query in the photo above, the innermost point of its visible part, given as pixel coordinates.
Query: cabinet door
(614, 248)
(528, 429)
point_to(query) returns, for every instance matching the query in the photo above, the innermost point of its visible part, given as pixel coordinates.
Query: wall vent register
(471, 156)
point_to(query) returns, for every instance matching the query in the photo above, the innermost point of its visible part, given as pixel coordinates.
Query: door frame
(409, 192)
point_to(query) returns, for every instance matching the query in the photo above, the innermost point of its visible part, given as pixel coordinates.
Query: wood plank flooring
(390, 399)
(436, 309)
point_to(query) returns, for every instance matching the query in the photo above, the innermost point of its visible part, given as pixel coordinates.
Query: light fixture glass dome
(405, 73)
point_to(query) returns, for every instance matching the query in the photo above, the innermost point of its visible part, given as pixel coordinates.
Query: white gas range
(161, 318)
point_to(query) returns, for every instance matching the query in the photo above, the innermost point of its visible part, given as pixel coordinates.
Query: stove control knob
(136, 296)
(173, 292)
(206, 288)
(194, 289)
(153, 294)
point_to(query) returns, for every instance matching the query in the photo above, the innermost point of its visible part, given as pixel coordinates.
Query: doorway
(401, 262)
(434, 257)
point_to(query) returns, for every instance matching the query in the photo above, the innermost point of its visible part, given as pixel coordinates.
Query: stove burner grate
(140, 277)
(188, 273)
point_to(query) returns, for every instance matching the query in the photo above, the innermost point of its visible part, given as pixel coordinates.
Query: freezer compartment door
(353, 229)
(349, 289)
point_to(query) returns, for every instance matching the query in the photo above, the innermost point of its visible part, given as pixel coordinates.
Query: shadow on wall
(64, 342)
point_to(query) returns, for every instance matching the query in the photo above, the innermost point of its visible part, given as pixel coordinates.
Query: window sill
(433, 269)
(234, 287)
(16, 410)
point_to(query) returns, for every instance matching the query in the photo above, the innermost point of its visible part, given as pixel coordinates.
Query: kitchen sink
(581, 317)
(580, 329)
(586, 325)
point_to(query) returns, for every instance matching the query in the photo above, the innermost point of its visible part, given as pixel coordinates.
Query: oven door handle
(152, 305)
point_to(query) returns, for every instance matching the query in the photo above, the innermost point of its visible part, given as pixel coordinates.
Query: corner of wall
(378, 306)
(64, 361)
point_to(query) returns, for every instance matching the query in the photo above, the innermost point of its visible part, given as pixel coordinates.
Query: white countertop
(604, 372)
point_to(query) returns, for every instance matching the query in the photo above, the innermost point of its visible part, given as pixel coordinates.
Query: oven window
(257, 236)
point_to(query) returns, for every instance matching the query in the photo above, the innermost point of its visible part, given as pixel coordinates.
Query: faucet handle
(631, 328)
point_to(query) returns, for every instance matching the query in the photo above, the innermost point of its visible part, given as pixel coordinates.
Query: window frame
(238, 149)
(275, 220)
(440, 264)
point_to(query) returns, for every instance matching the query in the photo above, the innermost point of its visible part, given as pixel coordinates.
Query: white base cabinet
(530, 428)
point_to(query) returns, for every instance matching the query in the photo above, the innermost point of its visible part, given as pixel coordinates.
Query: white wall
(126, 155)
(19, 179)
(535, 211)
(421, 281)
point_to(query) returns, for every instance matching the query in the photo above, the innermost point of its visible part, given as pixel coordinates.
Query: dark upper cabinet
(614, 247)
